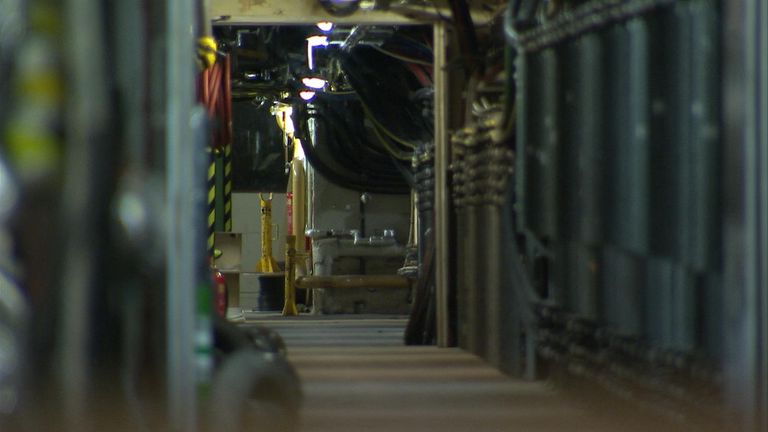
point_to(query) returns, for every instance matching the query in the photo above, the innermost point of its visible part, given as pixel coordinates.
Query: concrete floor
(358, 377)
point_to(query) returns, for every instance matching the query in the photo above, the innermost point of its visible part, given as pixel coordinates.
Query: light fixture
(325, 26)
(307, 95)
(283, 113)
(318, 40)
(340, 7)
(315, 83)
(314, 41)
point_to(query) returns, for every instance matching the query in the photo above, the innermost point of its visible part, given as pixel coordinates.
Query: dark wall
(258, 155)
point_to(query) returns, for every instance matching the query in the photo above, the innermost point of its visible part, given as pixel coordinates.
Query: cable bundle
(216, 96)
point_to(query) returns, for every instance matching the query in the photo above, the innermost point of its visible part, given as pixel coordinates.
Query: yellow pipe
(267, 263)
(353, 281)
(298, 187)
(289, 308)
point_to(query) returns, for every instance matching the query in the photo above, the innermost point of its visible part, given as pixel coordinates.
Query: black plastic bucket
(271, 293)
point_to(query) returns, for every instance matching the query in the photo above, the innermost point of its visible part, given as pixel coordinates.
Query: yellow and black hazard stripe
(228, 187)
(33, 142)
(211, 203)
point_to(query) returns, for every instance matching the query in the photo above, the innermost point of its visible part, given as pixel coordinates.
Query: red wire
(203, 87)
(215, 93)
(227, 117)
(215, 77)
(422, 76)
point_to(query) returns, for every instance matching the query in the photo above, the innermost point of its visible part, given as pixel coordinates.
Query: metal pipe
(325, 251)
(353, 281)
(442, 208)
(745, 321)
(413, 235)
(494, 309)
(181, 220)
(289, 308)
(86, 113)
(462, 328)
(298, 186)
(355, 36)
(480, 280)
(470, 274)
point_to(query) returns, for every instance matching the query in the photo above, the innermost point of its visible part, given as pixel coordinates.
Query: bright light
(298, 151)
(318, 40)
(288, 124)
(283, 116)
(315, 83)
(325, 26)
(307, 95)
(312, 42)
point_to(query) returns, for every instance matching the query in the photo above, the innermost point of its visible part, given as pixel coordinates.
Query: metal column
(745, 293)
(182, 233)
(442, 208)
(87, 113)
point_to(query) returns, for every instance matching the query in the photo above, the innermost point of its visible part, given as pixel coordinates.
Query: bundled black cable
(421, 328)
(349, 143)
(385, 88)
(341, 149)
(367, 141)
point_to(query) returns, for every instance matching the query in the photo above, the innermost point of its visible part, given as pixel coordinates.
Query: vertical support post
(745, 290)
(228, 187)
(299, 188)
(86, 115)
(181, 215)
(442, 208)
(227, 159)
(289, 308)
(211, 202)
(219, 159)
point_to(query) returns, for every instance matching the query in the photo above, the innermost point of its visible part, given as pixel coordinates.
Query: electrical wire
(336, 116)
(508, 98)
(354, 152)
(402, 38)
(394, 152)
(409, 49)
(421, 74)
(324, 159)
(466, 34)
(386, 131)
(401, 57)
(388, 96)
(342, 180)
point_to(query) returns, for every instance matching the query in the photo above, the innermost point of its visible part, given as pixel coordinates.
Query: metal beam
(282, 12)
(286, 12)
(353, 281)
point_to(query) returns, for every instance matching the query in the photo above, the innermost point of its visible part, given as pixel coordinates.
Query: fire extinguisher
(219, 293)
